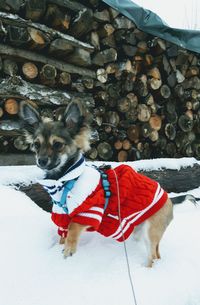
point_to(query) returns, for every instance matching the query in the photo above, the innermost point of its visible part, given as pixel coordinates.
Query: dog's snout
(42, 161)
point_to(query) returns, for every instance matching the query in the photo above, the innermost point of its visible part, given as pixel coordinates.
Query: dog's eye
(58, 145)
(36, 145)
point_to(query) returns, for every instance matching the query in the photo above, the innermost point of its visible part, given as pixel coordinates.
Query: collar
(73, 172)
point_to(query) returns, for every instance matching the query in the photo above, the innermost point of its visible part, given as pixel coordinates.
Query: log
(154, 72)
(56, 18)
(78, 85)
(102, 75)
(10, 133)
(42, 95)
(19, 22)
(69, 4)
(123, 22)
(38, 39)
(4, 145)
(123, 105)
(106, 30)
(154, 83)
(146, 130)
(81, 24)
(113, 13)
(16, 159)
(10, 67)
(3, 31)
(11, 106)
(35, 9)
(17, 35)
(185, 123)
(179, 76)
(94, 40)
(112, 118)
(192, 71)
(80, 57)
(30, 70)
(28, 55)
(141, 86)
(133, 133)
(129, 50)
(38, 195)
(105, 151)
(155, 122)
(60, 47)
(92, 153)
(171, 180)
(154, 135)
(1, 112)
(64, 78)
(144, 113)
(126, 144)
(118, 144)
(10, 125)
(158, 46)
(20, 143)
(13, 5)
(102, 16)
(142, 47)
(171, 149)
(122, 156)
(48, 75)
(165, 91)
(172, 51)
(104, 57)
(170, 131)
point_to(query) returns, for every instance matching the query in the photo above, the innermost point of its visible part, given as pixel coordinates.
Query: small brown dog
(113, 202)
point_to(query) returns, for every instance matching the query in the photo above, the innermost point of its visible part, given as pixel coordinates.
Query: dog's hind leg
(156, 226)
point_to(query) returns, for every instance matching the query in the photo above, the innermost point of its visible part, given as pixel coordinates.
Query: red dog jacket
(139, 198)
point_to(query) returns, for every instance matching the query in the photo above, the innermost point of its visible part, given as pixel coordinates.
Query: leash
(124, 242)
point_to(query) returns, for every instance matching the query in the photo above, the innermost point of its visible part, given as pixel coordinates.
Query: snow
(33, 270)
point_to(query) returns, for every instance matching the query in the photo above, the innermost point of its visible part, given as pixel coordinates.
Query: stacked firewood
(143, 92)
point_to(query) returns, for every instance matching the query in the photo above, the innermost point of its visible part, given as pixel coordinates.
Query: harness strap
(63, 201)
(106, 187)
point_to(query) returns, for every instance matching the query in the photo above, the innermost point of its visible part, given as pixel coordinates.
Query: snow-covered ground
(33, 271)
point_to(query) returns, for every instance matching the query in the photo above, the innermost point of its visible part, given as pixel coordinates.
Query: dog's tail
(182, 198)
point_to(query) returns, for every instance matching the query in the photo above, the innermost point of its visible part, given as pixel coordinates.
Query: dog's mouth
(46, 164)
(51, 165)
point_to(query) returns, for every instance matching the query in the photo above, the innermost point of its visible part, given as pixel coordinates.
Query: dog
(114, 202)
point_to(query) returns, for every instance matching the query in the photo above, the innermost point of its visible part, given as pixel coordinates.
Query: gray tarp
(151, 23)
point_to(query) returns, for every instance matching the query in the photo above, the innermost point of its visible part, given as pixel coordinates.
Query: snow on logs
(143, 92)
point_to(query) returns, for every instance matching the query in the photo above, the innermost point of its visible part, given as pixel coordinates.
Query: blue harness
(106, 187)
(63, 201)
(70, 184)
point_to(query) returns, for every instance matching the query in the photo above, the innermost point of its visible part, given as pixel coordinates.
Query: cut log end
(11, 106)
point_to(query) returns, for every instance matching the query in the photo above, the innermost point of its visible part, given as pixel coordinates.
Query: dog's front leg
(71, 241)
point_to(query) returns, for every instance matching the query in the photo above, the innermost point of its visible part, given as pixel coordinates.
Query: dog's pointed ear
(73, 116)
(29, 114)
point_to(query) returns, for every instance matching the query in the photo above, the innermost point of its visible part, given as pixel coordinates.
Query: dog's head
(56, 143)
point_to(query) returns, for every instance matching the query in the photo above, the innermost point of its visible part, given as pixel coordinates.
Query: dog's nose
(42, 161)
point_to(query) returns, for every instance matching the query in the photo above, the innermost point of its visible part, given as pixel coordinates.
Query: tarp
(181, 14)
(151, 23)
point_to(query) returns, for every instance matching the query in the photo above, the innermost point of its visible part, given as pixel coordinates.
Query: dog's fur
(57, 145)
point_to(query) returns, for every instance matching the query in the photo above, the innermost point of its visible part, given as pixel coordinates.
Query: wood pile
(143, 92)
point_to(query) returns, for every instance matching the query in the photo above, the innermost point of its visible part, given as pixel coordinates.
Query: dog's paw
(69, 251)
(62, 240)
